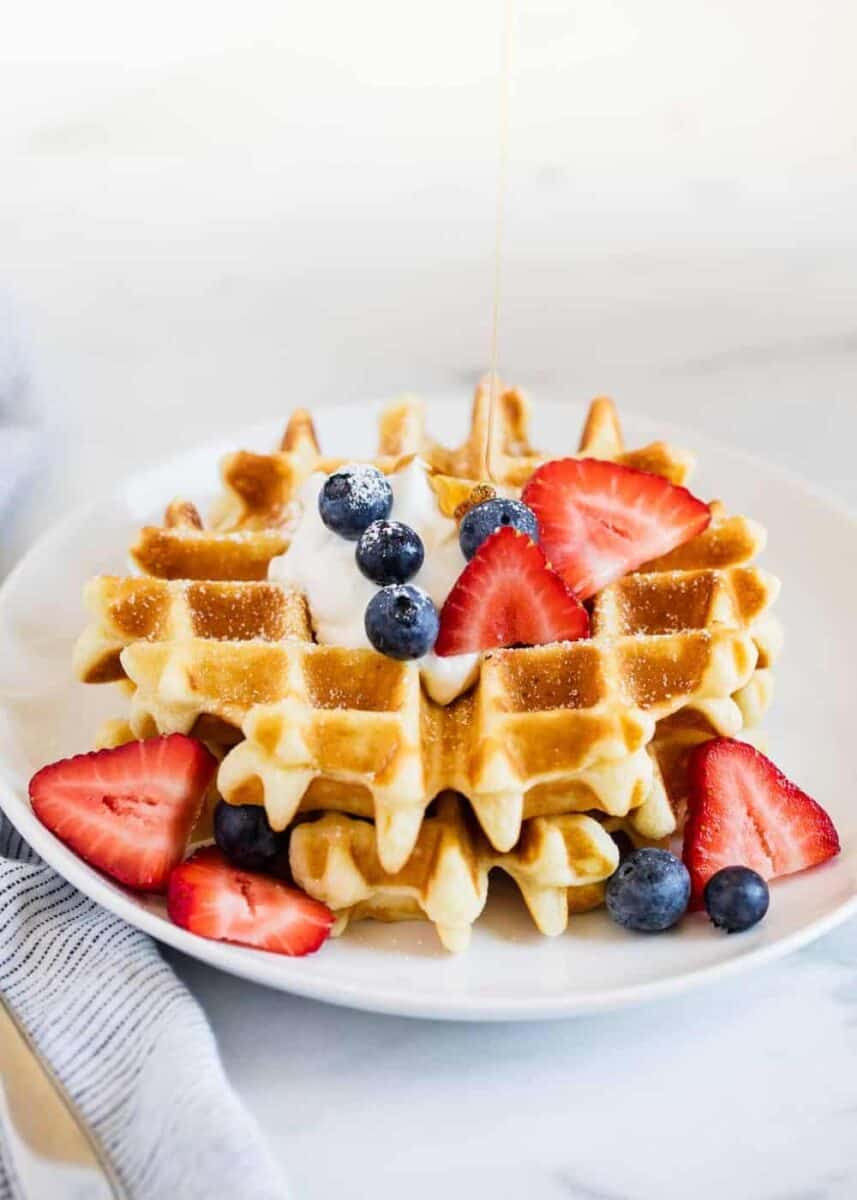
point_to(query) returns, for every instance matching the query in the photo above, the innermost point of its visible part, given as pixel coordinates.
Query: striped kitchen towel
(127, 1041)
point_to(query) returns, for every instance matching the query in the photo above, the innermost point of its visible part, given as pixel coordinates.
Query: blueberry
(736, 898)
(353, 498)
(484, 518)
(389, 552)
(401, 622)
(243, 834)
(649, 892)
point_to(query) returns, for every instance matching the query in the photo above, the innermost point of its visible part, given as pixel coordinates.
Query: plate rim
(257, 967)
(296, 976)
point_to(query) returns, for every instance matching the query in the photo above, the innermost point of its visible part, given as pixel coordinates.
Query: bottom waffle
(560, 865)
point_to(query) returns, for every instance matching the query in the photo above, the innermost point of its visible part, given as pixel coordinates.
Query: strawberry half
(212, 898)
(508, 595)
(128, 811)
(599, 520)
(743, 811)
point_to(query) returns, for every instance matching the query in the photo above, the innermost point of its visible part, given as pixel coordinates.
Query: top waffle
(250, 521)
(260, 489)
(554, 729)
(184, 549)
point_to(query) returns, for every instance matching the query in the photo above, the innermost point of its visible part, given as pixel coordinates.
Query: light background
(209, 210)
(212, 212)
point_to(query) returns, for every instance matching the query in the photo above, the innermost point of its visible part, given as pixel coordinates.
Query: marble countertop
(196, 234)
(745, 1090)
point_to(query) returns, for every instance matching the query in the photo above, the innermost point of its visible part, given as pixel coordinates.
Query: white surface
(509, 971)
(208, 220)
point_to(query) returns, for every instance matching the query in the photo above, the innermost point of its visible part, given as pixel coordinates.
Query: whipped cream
(321, 564)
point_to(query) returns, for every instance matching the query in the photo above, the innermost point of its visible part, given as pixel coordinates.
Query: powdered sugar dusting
(365, 482)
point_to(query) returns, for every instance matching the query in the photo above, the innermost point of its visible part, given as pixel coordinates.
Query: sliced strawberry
(744, 812)
(508, 595)
(128, 811)
(599, 520)
(212, 898)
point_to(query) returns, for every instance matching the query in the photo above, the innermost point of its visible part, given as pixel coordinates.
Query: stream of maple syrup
(500, 221)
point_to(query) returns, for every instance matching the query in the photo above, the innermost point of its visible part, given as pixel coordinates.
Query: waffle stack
(527, 771)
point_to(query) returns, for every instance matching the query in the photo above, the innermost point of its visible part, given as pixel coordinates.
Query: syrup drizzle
(500, 221)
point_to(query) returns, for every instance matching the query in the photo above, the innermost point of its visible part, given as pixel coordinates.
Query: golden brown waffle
(112, 733)
(707, 581)
(560, 865)
(184, 549)
(500, 451)
(125, 611)
(260, 489)
(562, 725)
(602, 438)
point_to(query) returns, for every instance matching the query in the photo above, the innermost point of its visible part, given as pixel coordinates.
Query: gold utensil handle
(52, 1153)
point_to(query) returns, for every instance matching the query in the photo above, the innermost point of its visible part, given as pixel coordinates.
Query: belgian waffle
(560, 865)
(137, 609)
(184, 549)
(259, 490)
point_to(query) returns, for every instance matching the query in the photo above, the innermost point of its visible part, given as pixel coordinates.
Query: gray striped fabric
(127, 1041)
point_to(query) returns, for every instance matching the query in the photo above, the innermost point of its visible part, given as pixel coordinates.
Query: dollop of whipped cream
(321, 565)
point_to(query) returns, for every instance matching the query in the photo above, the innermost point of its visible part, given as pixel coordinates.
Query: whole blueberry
(389, 552)
(401, 621)
(351, 499)
(736, 898)
(243, 834)
(649, 892)
(483, 519)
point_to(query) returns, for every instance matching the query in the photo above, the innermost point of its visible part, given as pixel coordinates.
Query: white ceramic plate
(510, 972)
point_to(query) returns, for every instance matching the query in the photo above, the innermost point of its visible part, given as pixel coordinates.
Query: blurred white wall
(210, 210)
(682, 118)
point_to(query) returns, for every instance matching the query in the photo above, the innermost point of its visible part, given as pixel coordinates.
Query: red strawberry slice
(744, 812)
(128, 811)
(214, 899)
(508, 595)
(599, 520)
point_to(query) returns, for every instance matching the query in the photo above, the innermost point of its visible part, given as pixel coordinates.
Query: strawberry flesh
(214, 899)
(508, 595)
(599, 520)
(128, 811)
(743, 811)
